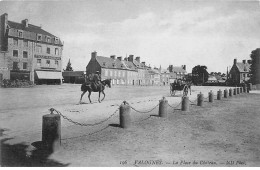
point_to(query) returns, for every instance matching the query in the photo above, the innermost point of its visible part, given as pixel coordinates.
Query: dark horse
(89, 87)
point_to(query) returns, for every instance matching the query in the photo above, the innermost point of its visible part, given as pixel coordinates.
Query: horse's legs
(89, 93)
(103, 94)
(99, 97)
(82, 96)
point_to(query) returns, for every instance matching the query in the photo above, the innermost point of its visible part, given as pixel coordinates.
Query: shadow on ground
(16, 155)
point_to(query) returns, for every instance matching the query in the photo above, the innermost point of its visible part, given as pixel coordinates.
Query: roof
(30, 28)
(165, 71)
(30, 32)
(178, 69)
(106, 62)
(73, 73)
(138, 65)
(129, 65)
(243, 67)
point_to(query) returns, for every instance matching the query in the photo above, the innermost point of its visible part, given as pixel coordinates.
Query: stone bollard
(244, 88)
(250, 86)
(219, 95)
(225, 93)
(230, 92)
(200, 99)
(238, 91)
(124, 115)
(211, 96)
(163, 106)
(185, 103)
(235, 91)
(51, 131)
(247, 89)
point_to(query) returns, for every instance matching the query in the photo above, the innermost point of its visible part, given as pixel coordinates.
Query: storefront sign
(47, 57)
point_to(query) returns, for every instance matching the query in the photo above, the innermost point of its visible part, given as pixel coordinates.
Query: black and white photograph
(130, 83)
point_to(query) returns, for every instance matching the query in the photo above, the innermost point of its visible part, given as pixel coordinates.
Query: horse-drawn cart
(180, 87)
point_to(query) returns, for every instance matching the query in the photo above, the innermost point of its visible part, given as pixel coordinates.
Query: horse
(89, 87)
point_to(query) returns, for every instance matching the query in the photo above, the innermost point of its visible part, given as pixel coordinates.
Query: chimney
(143, 63)
(25, 22)
(125, 58)
(131, 58)
(137, 59)
(244, 61)
(113, 57)
(170, 68)
(93, 55)
(119, 58)
(184, 67)
(235, 61)
(249, 61)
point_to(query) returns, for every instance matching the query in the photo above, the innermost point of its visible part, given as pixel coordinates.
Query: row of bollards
(51, 124)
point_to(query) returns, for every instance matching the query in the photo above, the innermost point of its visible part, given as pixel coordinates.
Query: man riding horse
(97, 80)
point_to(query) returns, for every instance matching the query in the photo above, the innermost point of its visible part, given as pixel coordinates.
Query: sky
(161, 32)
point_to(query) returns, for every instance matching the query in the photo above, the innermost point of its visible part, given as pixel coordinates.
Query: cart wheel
(171, 90)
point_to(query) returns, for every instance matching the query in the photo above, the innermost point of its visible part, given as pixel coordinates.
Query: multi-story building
(120, 72)
(29, 52)
(239, 72)
(176, 72)
(165, 75)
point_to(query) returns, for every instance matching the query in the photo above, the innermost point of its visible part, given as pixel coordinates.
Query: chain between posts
(83, 124)
(144, 111)
(174, 107)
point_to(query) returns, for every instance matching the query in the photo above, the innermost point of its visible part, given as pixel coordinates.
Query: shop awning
(48, 75)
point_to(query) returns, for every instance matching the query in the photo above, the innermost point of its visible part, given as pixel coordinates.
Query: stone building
(176, 72)
(121, 72)
(29, 52)
(239, 72)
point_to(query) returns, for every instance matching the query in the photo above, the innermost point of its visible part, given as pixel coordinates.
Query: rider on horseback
(97, 80)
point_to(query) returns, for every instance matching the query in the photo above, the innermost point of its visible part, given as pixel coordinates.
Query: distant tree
(199, 74)
(252, 72)
(68, 67)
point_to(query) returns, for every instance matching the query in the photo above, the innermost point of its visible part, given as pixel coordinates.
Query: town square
(120, 83)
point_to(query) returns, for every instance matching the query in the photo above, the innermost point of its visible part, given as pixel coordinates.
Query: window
(56, 51)
(106, 72)
(24, 66)
(48, 50)
(25, 43)
(56, 63)
(123, 74)
(111, 73)
(56, 41)
(25, 54)
(39, 49)
(39, 62)
(20, 34)
(15, 40)
(115, 73)
(15, 66)
(48, 63)
(48, 39)
(15, 53)
(39, 37)
(119, 73)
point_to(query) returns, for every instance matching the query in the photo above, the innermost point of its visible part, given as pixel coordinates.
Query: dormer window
(48, 39)
(104, 63)
(39, 37)
(113, 64)
(122, 65)
(20, 34)
(56, 40)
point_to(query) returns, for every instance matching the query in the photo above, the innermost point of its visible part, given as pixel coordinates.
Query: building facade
(239, 72)
(29, 52)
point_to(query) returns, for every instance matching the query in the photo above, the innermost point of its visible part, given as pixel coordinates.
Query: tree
(68, 67)
(199, 74)
(253, 67)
